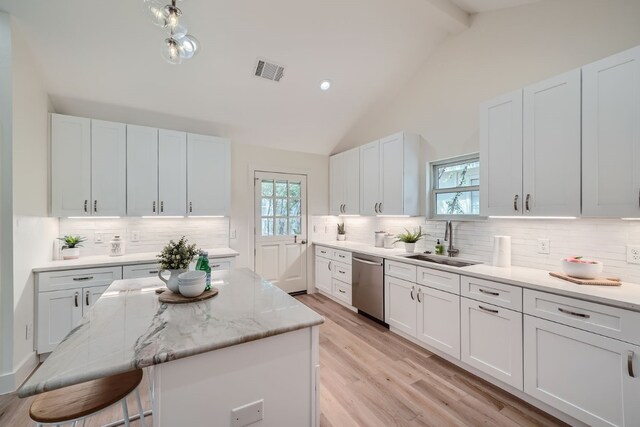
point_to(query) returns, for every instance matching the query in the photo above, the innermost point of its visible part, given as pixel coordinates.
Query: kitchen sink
(443, 261)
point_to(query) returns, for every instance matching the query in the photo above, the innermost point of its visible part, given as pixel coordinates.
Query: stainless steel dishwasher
(367, 285)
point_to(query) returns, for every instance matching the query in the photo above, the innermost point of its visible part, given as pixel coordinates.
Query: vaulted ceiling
(102, 59)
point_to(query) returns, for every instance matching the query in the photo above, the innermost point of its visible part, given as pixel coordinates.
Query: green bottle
(203, 264)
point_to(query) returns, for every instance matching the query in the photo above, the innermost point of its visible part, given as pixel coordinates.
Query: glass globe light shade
(157, 13)
(172, 14)
(177, 32)
(188, 46)
(171, 51)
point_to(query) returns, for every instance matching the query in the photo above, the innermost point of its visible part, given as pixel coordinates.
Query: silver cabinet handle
(573, 313)
(515, 203)
(341, 291)
(495, 294)
(380, 207)
(329, 265)
(75, 297)
(487, 309)
(341, 272)
(526, 203)
(215, 266)
(190, 206)
(154, 206)
(86, 202)
(376, 208)
(153, 272)
(82, 279)
(95, 206)
(161, 205)
(86, 298)
(630, 364)
(413, 288)
(419, 292)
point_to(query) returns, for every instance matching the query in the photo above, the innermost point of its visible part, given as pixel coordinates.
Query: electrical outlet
(247, 414)
(633, 254)
(98, 238)
(135, 236)
(233, 234)
(544, 246)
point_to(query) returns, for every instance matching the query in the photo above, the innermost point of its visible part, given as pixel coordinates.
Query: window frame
(433, 182)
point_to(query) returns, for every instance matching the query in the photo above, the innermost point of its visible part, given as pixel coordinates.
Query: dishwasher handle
(364, 261)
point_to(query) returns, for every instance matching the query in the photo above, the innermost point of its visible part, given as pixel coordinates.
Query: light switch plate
(248, 414)
(633, 254)
(97, 238)
(135, 236)
(233, 233)
(544, 246)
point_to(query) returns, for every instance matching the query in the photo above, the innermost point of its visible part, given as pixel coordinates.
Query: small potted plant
(71, 247)
(410, 238)
(175, 258)
(342, 234)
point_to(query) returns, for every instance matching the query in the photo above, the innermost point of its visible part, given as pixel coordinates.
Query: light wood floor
(371, 377)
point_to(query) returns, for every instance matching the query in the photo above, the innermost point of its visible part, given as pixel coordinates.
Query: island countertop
(129, 328)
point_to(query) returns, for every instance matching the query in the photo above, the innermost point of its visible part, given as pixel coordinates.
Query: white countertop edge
(626, 296)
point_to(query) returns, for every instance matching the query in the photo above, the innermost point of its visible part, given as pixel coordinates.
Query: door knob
(303, 242)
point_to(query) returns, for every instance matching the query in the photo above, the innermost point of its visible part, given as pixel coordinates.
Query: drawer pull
(341, 291)
(413, 288)
(341, 272)
(487, 309)
(153, 272)
(75, 298)
(495, 294)
(82, 279)
(341, 256)
(573, 313)
(215, 266)
(630, 364)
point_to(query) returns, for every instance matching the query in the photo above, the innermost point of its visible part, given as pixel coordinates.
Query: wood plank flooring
(371, 377)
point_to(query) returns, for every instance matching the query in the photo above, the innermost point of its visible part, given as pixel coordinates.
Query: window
(456, 187)
(280, 207)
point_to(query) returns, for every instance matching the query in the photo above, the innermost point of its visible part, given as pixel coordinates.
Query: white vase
(410, 247)
(342, 237)
(70, 253)
(172, 281)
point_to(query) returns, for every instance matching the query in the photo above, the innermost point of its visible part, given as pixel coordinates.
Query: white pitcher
(172, 282)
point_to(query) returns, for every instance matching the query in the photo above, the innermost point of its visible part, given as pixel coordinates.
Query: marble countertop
(110, 261)
(625, 296)
(129, 328)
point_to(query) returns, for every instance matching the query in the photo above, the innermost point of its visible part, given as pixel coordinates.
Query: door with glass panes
(281, 229)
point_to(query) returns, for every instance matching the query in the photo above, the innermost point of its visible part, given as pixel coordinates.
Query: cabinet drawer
(448, 282)
(342, 256)
(604, 320)
(400, 270)
(70, 279)
(342, 272)
(342, 291)
(140, 271)
(506, 296)
(323, 252)
(219, 264)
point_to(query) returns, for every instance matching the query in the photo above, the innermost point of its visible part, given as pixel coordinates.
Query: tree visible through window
(456, 190)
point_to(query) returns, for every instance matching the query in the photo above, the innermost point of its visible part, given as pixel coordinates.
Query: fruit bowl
(581, 268)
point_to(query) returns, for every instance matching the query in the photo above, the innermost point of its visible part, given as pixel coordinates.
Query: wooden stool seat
(81, 400)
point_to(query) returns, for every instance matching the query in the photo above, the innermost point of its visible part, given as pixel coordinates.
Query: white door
(439, 320)
(501, 155)
(551, 146)
(58, 313)
(172, 172)
(336, 184)
(611, 136)
(281, 229)
(400, 305)
(142, 171)
(323, 274)
(351, 177)
(90, 296)
(208, 175)
(491, 340)
(70, 165)
(369, 178)
(392, 175)
(108, 168)
(588, 376)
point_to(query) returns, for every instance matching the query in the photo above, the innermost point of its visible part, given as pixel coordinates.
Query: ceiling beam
(452, 18)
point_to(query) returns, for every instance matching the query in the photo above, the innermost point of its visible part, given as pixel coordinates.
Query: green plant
(71, 242)
(410, 237)
(341, 229)
(177, 255)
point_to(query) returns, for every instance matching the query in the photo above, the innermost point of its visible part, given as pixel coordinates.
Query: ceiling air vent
(269, 70)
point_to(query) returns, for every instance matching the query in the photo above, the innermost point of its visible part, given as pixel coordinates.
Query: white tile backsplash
(207, 233)
(601, 239)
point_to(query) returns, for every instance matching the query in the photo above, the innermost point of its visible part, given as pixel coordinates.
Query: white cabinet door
(142, 171)
(590, 377)
(108, 168)
(351, 177)
(491, 340)
(439, 320)
(336, 184)
(391, 175)
(323, 274)
(501, 155)
(172, 172)
(551, 146)
(400, 305)
(369, 178)
(58, 313)
(208, 175)
(90, 296)
(611, 136)
(70, 165)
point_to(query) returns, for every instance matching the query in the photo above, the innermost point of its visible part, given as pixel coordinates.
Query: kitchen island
(251, 342)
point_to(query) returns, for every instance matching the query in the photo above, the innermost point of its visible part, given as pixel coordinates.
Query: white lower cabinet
(400, 305)
(323, 274)
(593, 378)
(491, 340)
(439, 320)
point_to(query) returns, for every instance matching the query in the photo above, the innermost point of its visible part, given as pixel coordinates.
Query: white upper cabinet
(70, 165)
(108, 168)
(208, 176)
(344, 177)
(172, 172)
(336, 184)
(611, 136)
(142, 170)
(369, 178)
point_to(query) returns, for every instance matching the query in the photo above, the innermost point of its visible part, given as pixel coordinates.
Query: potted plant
(410, 238)
(342, 234)
(175, 258)
(71, 247)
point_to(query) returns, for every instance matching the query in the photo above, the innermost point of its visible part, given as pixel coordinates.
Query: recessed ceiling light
(325, 85)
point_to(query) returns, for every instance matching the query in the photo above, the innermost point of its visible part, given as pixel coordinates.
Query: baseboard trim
(11, 381)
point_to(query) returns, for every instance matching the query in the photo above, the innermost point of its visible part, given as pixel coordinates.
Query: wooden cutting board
(171, 298)
(600, 281)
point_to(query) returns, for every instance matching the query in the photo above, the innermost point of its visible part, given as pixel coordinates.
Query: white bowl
(192, 276)
(582, 270)
(192, 290)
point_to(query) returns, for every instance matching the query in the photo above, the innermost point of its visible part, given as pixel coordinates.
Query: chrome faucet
(448, 236)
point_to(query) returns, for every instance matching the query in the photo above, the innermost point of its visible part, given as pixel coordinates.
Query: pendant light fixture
(179, 45)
